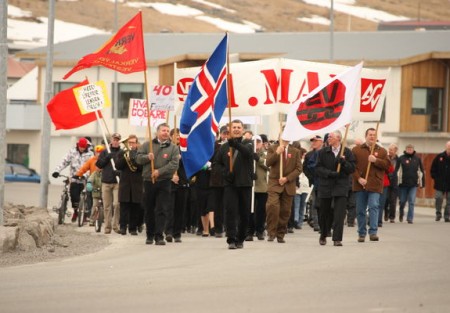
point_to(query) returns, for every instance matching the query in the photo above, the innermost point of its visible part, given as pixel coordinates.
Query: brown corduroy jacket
(377, 169)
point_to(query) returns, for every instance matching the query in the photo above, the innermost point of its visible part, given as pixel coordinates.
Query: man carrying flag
(203, 109)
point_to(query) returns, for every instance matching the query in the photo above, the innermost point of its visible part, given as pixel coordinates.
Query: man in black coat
(440, 172)
(130, 187)
(333, 171)
(238, 183)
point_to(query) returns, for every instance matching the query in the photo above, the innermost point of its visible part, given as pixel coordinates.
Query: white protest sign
(138, 114)
(92, 97)
(162, 97)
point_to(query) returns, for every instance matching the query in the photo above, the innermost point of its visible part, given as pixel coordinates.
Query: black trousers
(391, 201)
(332, 213)
(236, 203)
(75, 192)
(218, 209)
(129, 215)
(177, 209)
(258, 217)
(156, 205)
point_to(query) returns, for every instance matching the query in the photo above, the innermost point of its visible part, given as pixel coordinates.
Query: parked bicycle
(61, 209)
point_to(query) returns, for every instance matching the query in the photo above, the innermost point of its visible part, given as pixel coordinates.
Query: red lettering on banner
(139, 103)
(233, 99)
(165, 90)
(370, 93)
(273, 83)
(183, 86)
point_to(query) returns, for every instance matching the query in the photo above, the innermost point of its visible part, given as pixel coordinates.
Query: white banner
(138, 114)
(269, 86)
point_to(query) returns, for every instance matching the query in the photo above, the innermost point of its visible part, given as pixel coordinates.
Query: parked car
(20, 173)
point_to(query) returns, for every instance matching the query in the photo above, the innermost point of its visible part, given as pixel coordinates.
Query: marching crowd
(252, 188)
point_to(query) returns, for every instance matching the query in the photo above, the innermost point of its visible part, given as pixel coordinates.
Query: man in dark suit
(285, 164)
(334, 186)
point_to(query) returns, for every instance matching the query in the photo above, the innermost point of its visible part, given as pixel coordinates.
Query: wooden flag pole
(343, 145)
(372, 148)
(113, 164)
(229, 103)
(152, 162)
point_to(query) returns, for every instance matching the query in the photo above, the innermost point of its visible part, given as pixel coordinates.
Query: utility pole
(332, 31)
(3, 100)
(46, 124)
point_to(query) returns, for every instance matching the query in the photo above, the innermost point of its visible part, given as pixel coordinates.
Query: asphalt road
(406, 271)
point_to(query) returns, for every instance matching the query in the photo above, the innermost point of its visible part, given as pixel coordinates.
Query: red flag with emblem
(124, 52)
(65, 112)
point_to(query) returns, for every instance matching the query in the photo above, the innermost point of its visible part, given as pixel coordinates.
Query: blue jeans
(364, 200)
(299, 208)
(407, 194)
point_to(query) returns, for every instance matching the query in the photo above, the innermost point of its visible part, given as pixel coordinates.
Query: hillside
(271, 16)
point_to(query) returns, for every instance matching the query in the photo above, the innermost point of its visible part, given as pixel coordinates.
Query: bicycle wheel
(62, 209)
(99, 220)
(81, 211)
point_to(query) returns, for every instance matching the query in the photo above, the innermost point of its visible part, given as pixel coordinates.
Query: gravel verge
(68, 241)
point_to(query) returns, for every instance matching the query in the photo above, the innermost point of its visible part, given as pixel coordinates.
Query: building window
(60, 86)
(127, 91)
(428, 101)
(18, 153)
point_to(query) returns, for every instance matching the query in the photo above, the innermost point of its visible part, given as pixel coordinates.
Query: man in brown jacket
(281, 187)
(368, 190)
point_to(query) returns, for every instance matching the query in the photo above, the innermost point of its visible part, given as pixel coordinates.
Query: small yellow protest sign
(92, 97)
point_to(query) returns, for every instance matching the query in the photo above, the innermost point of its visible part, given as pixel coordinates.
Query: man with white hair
(333, 168)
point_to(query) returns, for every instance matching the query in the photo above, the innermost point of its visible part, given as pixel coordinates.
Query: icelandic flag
(204, 106)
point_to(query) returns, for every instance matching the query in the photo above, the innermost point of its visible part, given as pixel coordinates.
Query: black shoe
(177, 239)
(140, 228)
(169, 238)
(380, 224)
(337, 244)
(240, 245)
(400, 219)
(123, 231)
(322, 241)
(133, 233)
(271, 238)
(281, 240)
(232, 246)
(290, 230)
(438, 218)
(447, 220)
(218, 235)
(350, 225)
(149, 241)
(260, 236)
(316, 228)
(160, 242)
(249, 238)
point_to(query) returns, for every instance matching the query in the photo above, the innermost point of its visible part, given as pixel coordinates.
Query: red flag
(122, 53)
(65, 112)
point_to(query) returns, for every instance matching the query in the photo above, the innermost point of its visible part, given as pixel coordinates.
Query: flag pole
(372, 148)
(113, 164)
(343, 144)
(148, 104)
(229, 103)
